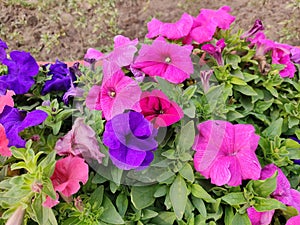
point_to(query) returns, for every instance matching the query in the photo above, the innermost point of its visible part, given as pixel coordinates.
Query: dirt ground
(65, 29)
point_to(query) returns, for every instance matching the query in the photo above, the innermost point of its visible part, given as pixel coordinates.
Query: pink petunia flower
(169, 61)
(295, 220)
(263, 45)
(4, 149)
(215, 50)
(6, 100)
(206, 23)
(172, 31)
(226, 152)
(116, 95)
(80, 141)
(67, 174)
(260, 218)
(157, 108)
(283, 191)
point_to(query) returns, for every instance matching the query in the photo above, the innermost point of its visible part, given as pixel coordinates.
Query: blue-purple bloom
(15, 121)
(22, 67)
(131, 140)
(3, 46)
(61, 78)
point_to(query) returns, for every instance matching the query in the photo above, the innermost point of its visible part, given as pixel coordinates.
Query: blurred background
(65, 29)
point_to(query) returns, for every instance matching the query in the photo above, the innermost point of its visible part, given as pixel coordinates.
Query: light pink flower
(226, 152)
(157, 108)
(6, 100)
(92, 100)
(169, 61)
(172, 31)
(260, 218)
(68, 173)
(295, 220)
(80, 141)
(4, 149)
(283, 191)
(93, 54)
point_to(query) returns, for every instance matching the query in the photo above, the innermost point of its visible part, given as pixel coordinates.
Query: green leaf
(265, 204)
(97, 196)
(246, 90)
(213, 96)
(187, 172)
(264, 188)
(43, 215)
(142, 197)
(187, 136)
(161, 191)
(241, 219)
(200, 206)
(237, 81)
(229, 215)
(189, 92)
(233, 60)
(110, 214)
(164, 218)
(178, 196)
(235, 198)
(199, 192)
(274, 129)
(122, 203)
(148, 214)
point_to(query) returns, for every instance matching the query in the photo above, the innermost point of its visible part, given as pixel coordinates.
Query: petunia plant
(195, 124)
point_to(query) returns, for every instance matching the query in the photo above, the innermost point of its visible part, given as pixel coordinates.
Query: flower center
(161, 111)
(168, 60)
(112, 93)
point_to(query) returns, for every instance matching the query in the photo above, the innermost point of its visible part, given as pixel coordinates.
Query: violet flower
(15, 121)
(3, 46)
(295, 55)
(258, 26)
(22, 67)
(204, 77)
(215, 51)
(131, 140)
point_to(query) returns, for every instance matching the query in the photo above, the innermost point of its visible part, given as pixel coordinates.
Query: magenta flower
(281, 55)
(258, 26)
(215, 51)
(226, 152)
(117, 94)
(4, 149)
(157, 108)
(283, 191)
(169, 61)
(295, 55)
(206, 23)
(66, 177)
(295, 220)
(260, 218)
(6, 100)
(263, 45)
(172, 31)
(80, 141)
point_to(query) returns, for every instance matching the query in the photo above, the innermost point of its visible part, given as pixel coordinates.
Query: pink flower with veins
(157, 108)
(169, 61)
(4, 149)
(260, 218)
(68, 173)
(172, 31)
(80, 141)
(6, 100)
(226, 152)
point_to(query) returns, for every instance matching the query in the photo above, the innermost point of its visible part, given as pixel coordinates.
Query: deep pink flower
(117, 94)
(6, 100)
(226, 152)
(260, 218)
(295, 220)
(295, 55)
(206, 23)
(263, 45)
(4, 149)
(215, 50)
(80, 141)
(283, 191)
(169, 61)
(157, 108)
(172, 31)
(68, 173)
(281, 55)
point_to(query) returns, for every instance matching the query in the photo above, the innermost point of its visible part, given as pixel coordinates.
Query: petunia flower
(295, 55)
(215, 50)
(295, 220)
(172, 31)
(206, 23)
(157, 108)
(257, 26)
(169, 61)
(22, 67)
(131, 140)
(260, 218)
(15, 121)
(66, 178)
(226, 152)
(6, 100)
(3, 47)
(4, 149)
(204, 77)
(117, 94)
(92, 100)
(283, 192)
(263, 45)
(80, 141)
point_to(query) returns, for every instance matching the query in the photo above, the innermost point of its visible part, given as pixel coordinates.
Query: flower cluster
(196, 125)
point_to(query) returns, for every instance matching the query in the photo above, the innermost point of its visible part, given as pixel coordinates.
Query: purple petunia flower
(22, 67)
(15, 121)
(295, 55)
(3, 46)
(258, 26)
(215, 50)
(131, 140)
(61, 78)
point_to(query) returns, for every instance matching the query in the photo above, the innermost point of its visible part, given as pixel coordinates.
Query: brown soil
(131, 19)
